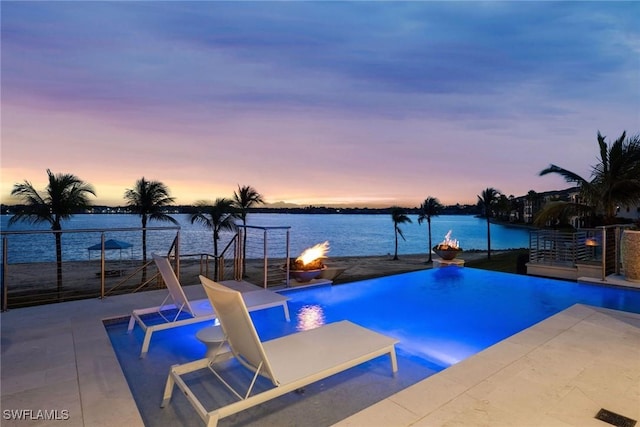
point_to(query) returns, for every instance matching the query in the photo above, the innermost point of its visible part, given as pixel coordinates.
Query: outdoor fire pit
(448, 249)
(309, 264)
(446, 253)
(303, 276)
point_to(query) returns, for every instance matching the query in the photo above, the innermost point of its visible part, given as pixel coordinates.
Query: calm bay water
(348, 235)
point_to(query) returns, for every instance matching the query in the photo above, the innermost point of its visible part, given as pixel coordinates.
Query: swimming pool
(440, 316)
(448, 314)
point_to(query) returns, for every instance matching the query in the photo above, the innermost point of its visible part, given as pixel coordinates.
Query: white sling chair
(196, 311)
(290, 362)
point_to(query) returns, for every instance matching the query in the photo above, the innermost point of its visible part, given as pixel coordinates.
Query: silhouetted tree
(615, 180)
(429, 208)
(243, 200)
(217, 217)
(148, 199)
(398, 216)
(65, 195)
(487, 200)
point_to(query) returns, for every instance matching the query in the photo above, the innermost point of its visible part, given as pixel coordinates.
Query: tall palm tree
(245, 198)
(399, 217)
(217, 217)
(489, 197)
(148, 199)
(429, 208)
(65, 195)
(615, 180)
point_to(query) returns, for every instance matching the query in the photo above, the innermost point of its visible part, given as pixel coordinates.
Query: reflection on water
(447, 279)
(310, 317)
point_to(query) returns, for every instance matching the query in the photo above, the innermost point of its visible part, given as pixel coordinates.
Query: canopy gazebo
(112, 245)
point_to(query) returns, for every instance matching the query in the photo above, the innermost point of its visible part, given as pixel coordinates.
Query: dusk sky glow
(323, 103)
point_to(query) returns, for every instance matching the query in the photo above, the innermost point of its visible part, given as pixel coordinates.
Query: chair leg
(132, 323)
(168, 390)
(394, 361)
(286, 311)
(212, 419)
(145, 343)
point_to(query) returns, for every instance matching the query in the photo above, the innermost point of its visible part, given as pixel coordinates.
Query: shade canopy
(111, 244)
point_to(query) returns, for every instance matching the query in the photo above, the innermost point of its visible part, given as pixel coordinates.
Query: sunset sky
(323, 103)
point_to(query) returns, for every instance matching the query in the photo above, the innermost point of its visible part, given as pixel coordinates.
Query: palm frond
(566, 174)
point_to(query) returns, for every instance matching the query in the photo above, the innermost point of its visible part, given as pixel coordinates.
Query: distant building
(631, 212)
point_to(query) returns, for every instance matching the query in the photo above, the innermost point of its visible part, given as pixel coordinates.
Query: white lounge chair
(290, 362)
(192, 311)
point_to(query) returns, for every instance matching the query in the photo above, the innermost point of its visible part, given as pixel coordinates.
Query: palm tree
(217, 217)
(65, 195)
(486, 200)
(615, 180)
(148, 199)
(244, 199)
(429, 208)
(399, 217)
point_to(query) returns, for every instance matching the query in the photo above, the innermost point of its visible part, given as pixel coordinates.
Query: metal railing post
(286, 276)
(238, 270)
(603, 265)
(176, 251)
(618, 255)
(266, 261)
(102, 265)
(3, 274)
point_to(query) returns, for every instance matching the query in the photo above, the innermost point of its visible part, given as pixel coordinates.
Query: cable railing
(600, 246)
(265, 258)
(33, 274)
(115, 266)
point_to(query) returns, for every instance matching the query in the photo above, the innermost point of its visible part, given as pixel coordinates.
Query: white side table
(212, 337)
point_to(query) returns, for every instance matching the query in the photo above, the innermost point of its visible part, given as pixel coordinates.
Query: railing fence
(34, 279)
(599, 246)
(266, 253)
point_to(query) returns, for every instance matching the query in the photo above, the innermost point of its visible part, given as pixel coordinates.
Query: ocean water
(348, 235)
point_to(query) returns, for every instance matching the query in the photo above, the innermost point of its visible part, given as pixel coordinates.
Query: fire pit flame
(309, 264)
(449, 248)
(313, 253)
(448, 243)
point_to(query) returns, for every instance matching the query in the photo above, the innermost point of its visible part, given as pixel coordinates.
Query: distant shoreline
(309, 210)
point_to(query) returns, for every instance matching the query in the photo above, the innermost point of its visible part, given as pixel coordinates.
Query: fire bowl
(447, 254)
(303, 276)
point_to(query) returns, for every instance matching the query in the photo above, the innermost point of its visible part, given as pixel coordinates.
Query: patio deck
(559, 372)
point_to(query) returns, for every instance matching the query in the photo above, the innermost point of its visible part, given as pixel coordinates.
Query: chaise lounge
(189, 312)
(289, 362)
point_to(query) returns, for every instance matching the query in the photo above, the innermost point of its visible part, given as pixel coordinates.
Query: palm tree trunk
(244, 248)
(58, 237)
(395, 256)
(144, 245)
(144, 256)
(144, 250)
(215, 253)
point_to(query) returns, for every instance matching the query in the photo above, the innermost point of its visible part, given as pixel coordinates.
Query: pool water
(448, 314)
